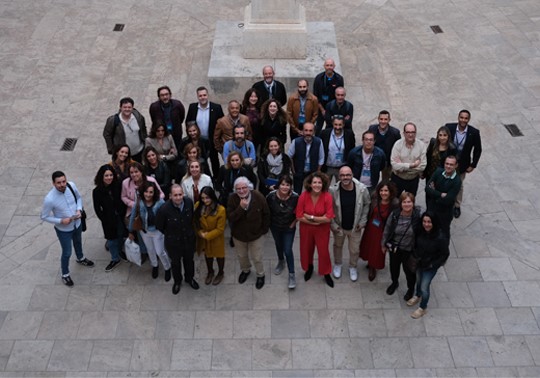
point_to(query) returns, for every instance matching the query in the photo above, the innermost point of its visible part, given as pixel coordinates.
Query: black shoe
(155, 272)
(194, 285)
(86, 262)
(243, 277)
(167, 275)
(260, 282)
(112, 265)
(408, 295)
(309, 273)
(329, 280)
(392, 288)
(231, 242)
(67, 281)
(457, 212)
(175, 288)
(123, 256)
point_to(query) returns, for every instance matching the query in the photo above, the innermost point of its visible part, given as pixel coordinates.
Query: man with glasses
(367, 161)
(337, 142)
(351, 202)
(169, 111)
(408, 160)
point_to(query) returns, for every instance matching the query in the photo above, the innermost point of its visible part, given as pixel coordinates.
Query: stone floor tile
(5, 350)
(292, 373)
(430, 352)
(415, 373)
(470, 351)
(523, 293)
(533, 342)
(151, 355)
(214, 325)
(462, 269)
(328, 323)
(86, 298)
(391, 352)
(528, 371)
(468, 246)
(252, 324)
(443, 322)
(502, 372)
(399, 323)
(234, 297)
(197, 300)
(312, 353)
(517, 321)
(352, 353)
(156, 298)
(15, 300)
(111, 355)
(366, 323)
(524, 271)
(452, 294)
(191, 355)
(98, 325)
(175, 324)
(290, 324)
(488, 294)
(307, 297)
(21, 325)
(252, 373)
(123, 298)
(136, 325)
(231, 355)
(48, 297)
(479, 321)
(29, 355)
(346, 296)
(509, 351)
(59, 325)
(271, 297)
(374, 296)
(456, 372)
(271, 354)
(496, 269)
(383, 373)
(80, 350)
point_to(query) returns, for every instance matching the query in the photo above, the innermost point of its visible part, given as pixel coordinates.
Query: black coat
(473, 144)
(348, 140)
(226, 178)
(216, 112)
(110, 209)
(431, 250)
(263, 171)
(178, 112)
(177, 226)
(278, 92)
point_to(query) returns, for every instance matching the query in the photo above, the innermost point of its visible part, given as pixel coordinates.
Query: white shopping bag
(133, 251)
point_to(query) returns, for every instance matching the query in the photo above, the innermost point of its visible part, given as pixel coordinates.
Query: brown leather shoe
(218, 279)
(209, 278)
(372, 274)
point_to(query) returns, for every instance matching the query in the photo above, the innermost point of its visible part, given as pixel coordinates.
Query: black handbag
(83, 213)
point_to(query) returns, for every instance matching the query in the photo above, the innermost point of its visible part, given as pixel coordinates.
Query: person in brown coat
(302, 107)
(225, 126)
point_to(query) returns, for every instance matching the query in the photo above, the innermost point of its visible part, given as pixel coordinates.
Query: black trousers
(402, 185)
(397, 259)
(181, 256)
(214, 161)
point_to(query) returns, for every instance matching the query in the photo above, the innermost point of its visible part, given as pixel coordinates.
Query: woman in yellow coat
(210, 220)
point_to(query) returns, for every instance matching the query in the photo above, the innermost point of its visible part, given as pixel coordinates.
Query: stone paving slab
(63, 72)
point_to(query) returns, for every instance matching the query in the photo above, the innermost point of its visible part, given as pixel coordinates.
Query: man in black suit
(324, 87)
(337, 143)
(468, 143)
(270, 88)
(169, 111)
(385, 138)
(206, 114)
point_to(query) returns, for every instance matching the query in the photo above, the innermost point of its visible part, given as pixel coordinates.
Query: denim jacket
(144, 215)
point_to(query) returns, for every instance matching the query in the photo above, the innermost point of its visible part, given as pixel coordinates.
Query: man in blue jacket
(367, 161)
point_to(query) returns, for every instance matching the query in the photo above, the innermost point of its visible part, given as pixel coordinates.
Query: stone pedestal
(275, 29)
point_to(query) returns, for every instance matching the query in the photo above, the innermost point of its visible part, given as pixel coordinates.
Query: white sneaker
(353, 273)
(337, 271)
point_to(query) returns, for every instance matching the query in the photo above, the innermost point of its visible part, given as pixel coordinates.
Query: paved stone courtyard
(63, 71)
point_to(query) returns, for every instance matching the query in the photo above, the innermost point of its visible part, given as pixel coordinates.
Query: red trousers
(311, 237)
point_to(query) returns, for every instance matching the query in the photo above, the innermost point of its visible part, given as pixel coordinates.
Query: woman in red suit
(314, 212)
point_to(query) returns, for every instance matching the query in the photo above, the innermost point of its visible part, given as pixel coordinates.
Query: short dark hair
(57, 174)
(368, 132)
(434, 221)
(155, 126)
(127, 100)
(384, 112)
(465, 111)
(322, 176)
(285, 179)
(147, 185)
(201, 88)
(162, 88)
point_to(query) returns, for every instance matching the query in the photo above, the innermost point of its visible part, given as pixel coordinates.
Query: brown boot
(210, 267)
(372, 273)
(221, 265)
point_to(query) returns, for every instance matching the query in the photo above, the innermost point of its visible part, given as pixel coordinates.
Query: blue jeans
(284, 241)
(115, 245)
(65, 239)
(423, 281)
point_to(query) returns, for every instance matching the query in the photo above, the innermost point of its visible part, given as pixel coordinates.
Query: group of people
(171, 194)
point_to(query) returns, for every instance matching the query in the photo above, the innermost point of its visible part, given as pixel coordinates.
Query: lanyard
(339, 147)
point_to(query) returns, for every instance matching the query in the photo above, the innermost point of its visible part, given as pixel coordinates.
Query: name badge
(366, 173)
(325, 97)
(376, 222)
(307, 166)
(302, 119)
(169, 127)
(339, 156)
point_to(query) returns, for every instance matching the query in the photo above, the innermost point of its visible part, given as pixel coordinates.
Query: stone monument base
(230, 74)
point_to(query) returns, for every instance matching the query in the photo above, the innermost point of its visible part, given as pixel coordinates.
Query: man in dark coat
(169, 111)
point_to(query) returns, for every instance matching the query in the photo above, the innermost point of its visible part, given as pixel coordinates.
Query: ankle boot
(221, 265)
(210, 268)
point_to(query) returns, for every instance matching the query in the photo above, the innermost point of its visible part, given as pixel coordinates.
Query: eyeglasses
(410, 132)
(337, 116)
